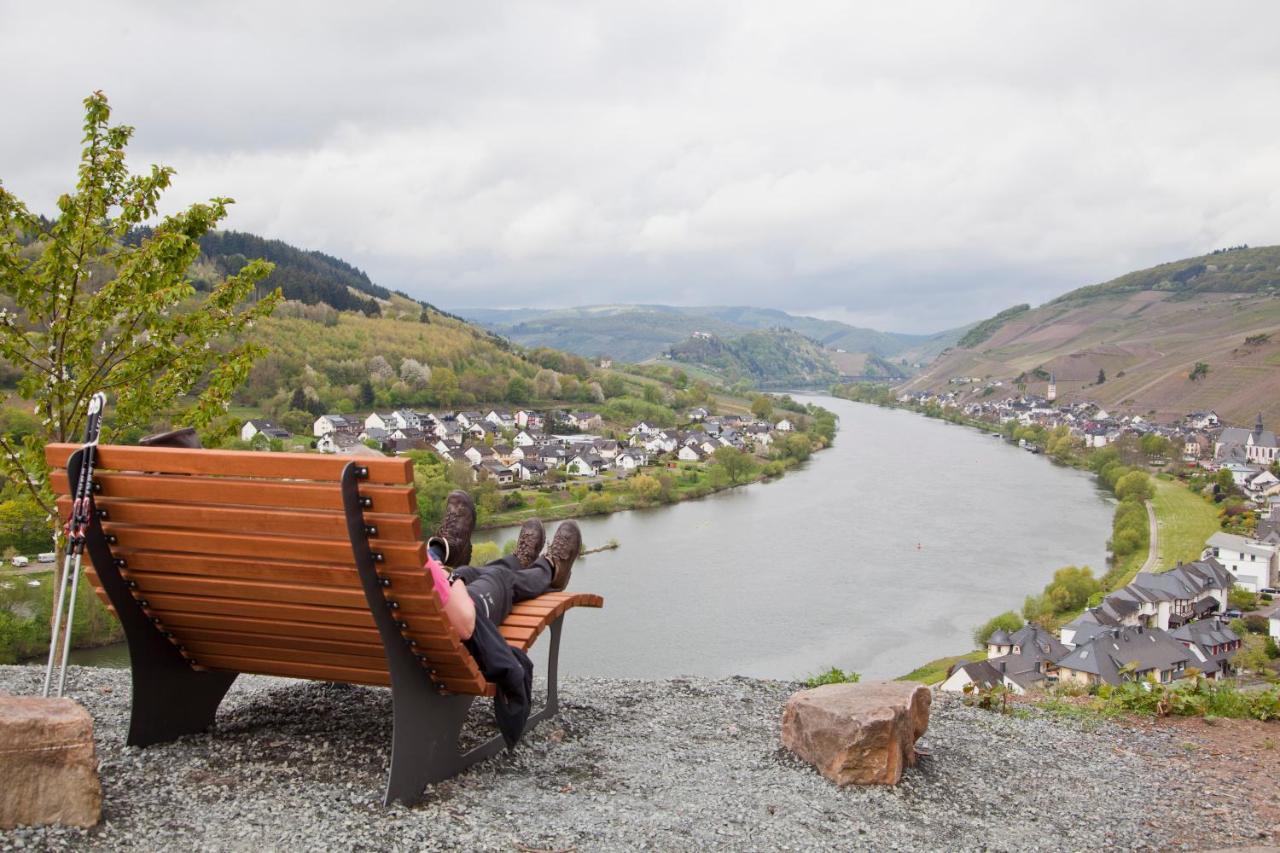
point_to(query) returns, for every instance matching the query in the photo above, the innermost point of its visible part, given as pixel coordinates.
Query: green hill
(771, 358)
(1236, 270)
(1143, 334)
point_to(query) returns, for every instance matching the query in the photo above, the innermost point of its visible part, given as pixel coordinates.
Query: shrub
(834, 675)
(1241, 598)
(1008, 620)
(1135, 485)
(1256, 624)
(1194, 697)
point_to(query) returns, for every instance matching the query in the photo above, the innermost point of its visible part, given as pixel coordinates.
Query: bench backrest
(243, 559)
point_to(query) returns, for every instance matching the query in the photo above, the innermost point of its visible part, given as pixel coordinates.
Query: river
(879, 554)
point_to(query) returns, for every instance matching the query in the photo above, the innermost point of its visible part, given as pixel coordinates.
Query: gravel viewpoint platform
(674, 765)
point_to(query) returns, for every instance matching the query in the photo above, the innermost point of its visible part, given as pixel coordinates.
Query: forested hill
(769, 358)
(1190, 335)
(305, 275)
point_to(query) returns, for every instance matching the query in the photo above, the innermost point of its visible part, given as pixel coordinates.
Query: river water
(879, 554)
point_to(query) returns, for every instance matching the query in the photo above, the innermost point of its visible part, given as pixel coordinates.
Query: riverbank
(1175, 522)
(691, 481)
(632, 764)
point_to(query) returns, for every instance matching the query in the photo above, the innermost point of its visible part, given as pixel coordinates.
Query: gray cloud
(911, 165)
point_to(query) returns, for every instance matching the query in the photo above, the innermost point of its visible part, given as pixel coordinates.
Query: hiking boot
(529, 544)
(455, 529)
(562, 551)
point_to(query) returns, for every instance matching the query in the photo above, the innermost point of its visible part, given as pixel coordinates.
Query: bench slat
(201, 649)
(402, 580)
(176, 619)
(330, 525)
(290, 669)
(238, 463)
(151, 583)
(160, 604)
(404, 555)
(372, 648)
(321, 672)
(228, 491)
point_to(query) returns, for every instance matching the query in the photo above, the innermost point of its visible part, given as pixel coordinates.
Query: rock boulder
(47, 763)
(860, 734)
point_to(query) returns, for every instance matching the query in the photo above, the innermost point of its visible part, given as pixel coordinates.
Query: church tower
(1053, 388)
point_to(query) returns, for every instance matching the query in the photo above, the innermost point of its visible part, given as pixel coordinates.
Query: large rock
(48, 770)
(859, 734)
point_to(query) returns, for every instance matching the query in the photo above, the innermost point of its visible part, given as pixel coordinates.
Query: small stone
(47, 763)
(862, 734)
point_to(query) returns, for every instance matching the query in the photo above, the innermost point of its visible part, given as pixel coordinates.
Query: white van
(20, 561)
(46, 557)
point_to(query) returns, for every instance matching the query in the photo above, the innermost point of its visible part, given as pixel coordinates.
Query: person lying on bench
(476, 599)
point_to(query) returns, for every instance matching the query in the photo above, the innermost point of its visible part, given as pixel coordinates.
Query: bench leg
(170, 699)
(424, 740)
(427, 723)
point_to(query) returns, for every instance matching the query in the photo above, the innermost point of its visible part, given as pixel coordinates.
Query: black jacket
(511, 670)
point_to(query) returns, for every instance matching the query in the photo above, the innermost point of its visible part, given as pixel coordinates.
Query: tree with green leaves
(739, 466)
(89, 302)
(762, 407)
(1007, 621)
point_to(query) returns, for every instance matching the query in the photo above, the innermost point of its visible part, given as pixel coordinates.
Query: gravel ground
(684, 764)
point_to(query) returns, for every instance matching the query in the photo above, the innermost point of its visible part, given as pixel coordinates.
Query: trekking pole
(77, 524)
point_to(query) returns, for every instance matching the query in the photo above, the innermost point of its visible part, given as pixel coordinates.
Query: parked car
(1232, 614)
(20, 561)
(46, 557)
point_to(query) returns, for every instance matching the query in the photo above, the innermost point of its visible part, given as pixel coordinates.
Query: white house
(377, 420)
(630, 460)
(585, 465)
(784, 425)
(1262, 483)
(326, 424)
(1275, 625)
(523, 439)
(254, 426)
(478, 453)
(584, 420)
(529, 470)
(691, 453)
(337, 442)
(662, 442)
(1253, 564)
(406, 419)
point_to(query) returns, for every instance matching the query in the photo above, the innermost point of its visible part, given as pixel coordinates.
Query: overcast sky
(909, 166)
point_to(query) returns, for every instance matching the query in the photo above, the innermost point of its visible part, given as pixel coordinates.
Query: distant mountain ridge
(1142, 334)
(640, 332)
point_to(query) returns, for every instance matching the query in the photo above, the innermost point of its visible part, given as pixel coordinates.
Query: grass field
(1185, 521)
(936, 670)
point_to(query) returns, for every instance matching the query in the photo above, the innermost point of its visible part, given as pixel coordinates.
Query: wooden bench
(289, 564)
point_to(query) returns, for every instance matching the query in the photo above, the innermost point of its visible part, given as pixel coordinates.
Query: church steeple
(1257, 427)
